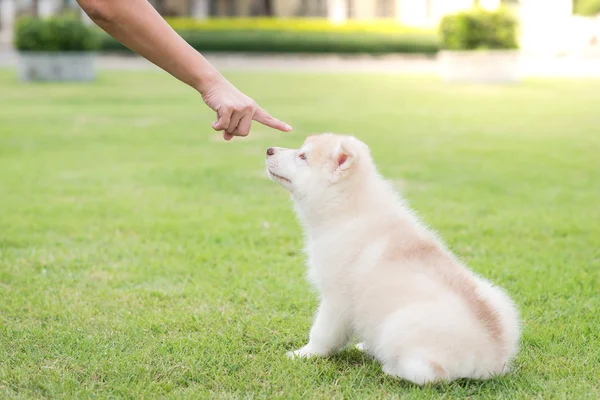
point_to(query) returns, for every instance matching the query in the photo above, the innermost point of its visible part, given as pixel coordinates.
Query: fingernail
(289, 128)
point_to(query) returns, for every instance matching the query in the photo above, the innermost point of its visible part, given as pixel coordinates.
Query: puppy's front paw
(304, 352)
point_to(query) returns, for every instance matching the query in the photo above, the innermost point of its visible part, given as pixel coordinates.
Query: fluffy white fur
(384, 277)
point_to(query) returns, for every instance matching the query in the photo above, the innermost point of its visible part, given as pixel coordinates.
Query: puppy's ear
(346, 154)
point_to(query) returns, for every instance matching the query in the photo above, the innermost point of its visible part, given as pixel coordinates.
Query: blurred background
(558, 37)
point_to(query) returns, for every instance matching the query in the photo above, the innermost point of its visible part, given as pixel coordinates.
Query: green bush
(588, 8)
(479, 29)
(301, 42)
(298, 35)
(62, 33)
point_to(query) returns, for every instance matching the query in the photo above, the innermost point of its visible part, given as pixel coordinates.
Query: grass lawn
(141, 256)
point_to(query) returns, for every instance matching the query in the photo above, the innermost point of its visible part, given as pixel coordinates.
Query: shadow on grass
(351, 358)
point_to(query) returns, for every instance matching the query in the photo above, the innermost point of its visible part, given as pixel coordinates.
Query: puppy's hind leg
(407, 350)
(416, 369)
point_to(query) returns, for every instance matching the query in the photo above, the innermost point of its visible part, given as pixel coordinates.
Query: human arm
(138, 26)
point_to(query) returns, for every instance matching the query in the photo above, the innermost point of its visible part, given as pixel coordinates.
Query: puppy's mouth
(278, 177)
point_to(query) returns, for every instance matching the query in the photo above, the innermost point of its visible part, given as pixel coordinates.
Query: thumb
(224, 117)
(261, 116)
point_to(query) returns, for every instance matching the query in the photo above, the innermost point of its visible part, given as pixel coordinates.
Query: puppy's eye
(302, 156)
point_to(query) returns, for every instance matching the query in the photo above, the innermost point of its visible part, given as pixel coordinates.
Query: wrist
(207, 77)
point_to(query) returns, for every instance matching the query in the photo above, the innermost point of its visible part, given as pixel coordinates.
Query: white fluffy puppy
(385, 277)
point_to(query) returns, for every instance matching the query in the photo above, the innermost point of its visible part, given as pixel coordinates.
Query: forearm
(137, 25)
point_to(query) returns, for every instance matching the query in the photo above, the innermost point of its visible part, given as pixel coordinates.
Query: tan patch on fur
(322, 150)
(438, 370)
(457, 279)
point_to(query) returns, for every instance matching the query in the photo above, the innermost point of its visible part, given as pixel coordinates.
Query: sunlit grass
(141, 256)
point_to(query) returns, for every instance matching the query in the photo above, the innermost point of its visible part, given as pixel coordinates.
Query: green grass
(142, 257)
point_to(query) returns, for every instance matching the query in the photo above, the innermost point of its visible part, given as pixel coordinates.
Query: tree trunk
(269, 8)
(35, 7)
(160, 6)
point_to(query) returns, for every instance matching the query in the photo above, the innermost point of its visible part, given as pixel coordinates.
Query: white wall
(546, 26)
(412, 12)
(336, 11)
(490, 4)
(7, 13)
(440, 8)
(48, 7)
(199, 8)
(419, 13)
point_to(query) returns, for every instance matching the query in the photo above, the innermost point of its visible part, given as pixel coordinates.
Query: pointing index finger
(263, 117)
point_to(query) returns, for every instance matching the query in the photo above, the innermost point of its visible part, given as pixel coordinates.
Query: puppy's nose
(270, 151)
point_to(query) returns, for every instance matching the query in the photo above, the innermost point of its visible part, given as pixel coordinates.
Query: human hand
(236, 111)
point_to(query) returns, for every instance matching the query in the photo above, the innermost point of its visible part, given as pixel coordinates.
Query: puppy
(384, 277)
